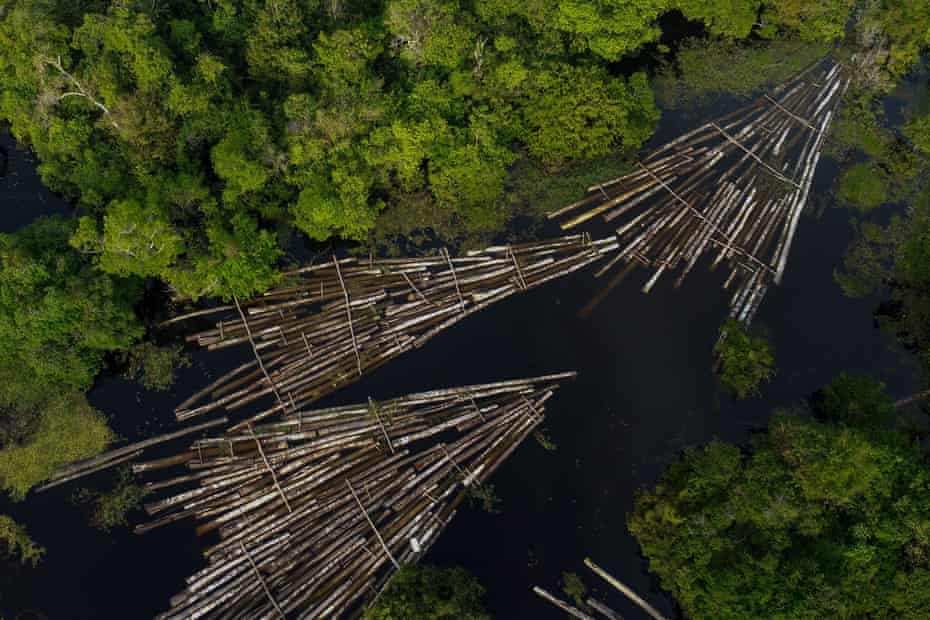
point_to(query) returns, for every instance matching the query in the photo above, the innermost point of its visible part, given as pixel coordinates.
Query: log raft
(733, 188)
(327, 325)
(368, 488)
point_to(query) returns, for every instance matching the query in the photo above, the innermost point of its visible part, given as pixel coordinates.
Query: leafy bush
(18, 543)
(429, 593)
(155, 366)
(864, 187)
(744, 361)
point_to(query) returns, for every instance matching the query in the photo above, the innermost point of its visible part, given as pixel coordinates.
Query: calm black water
(644, 393)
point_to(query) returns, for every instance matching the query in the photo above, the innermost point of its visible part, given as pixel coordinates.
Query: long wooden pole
(626, 591)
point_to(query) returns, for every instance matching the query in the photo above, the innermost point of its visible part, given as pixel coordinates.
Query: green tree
(58, 316)
(611, 28)
(918, 132)
(240, 260)
(824, 20)
(895, 259)
(135, 241)
(744, 362)
(277, 44)
(429, 593)
(575, 112)
(68, 429)
(857, 401)
(239, 158)
(817, 521)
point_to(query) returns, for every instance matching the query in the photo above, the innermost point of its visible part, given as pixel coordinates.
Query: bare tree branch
(81, 91)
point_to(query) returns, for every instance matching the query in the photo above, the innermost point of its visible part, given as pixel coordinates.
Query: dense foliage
(856, 401)
(744, 361)
(896, 257)
(58, 318)
(193, 134)
(58, 315)
(16, 542)
(818, 520)
(430, 593)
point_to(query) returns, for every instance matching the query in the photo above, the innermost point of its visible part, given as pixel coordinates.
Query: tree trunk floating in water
(736, 185)
(369, 487)
(598, 606)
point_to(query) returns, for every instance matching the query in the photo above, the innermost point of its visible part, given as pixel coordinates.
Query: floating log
(624, 589)
(327, 325)
(735, 186)
(572, 611)
(112, 458)
(598, 606)
(314, 512)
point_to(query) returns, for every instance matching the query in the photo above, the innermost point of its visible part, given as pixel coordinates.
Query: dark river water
(645, 392)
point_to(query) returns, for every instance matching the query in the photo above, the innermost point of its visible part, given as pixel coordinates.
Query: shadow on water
(644, 393)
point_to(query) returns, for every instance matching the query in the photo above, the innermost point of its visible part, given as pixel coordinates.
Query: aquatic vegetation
(574, 588)
(18, 543)
(155, 366)
(111, 508)
(706, 68)
(744, 361)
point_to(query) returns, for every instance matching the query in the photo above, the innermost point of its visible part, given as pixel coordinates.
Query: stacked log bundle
(734, 187)
(329, 324)
(314, 513)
